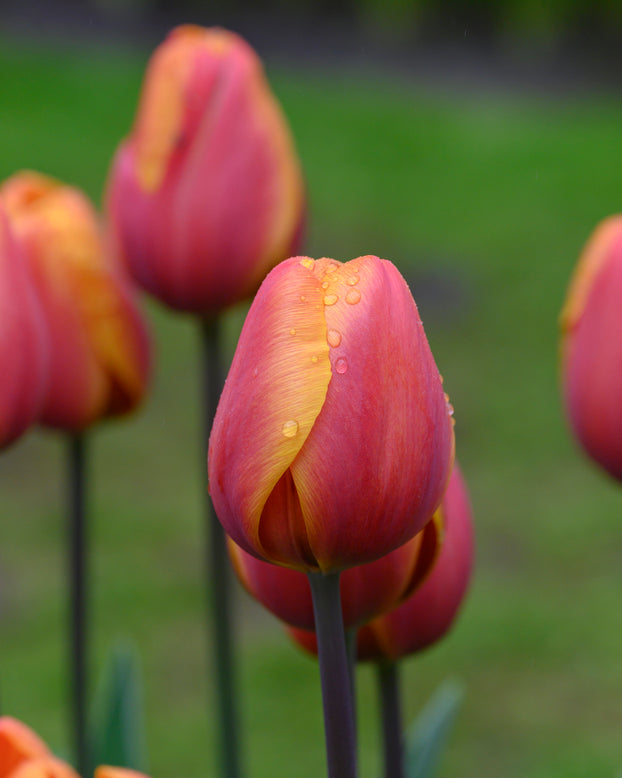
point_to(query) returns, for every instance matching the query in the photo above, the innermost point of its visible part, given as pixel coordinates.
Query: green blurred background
(474, 144)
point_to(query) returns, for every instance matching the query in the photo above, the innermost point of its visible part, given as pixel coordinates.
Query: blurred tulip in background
(98, 339)
(206, 194)
(591, 323)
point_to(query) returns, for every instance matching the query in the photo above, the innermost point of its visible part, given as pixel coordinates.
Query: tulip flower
(99, 346)
(591, 347)
(333, 440)
(366, 591)
(24, 755)
(206, 194)
(23, 342)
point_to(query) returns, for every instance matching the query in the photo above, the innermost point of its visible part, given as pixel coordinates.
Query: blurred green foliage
(484, 202)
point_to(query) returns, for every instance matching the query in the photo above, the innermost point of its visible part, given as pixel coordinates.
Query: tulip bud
(366, 591)
(427, 614)
(591, 347)
(18, 743)
(24, 348)
(332, 442)
(104, 771)
(206, 195)
(99, 345)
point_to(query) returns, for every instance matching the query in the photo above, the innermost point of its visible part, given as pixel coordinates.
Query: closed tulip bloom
(24, 348)
(18, 743)
(427, 615)
(105, 771)
(206, 194)
(332, 442)
(99, 345)
(591, 347)
(366, 591)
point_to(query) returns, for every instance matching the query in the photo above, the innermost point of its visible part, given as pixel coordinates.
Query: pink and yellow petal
(274, 392)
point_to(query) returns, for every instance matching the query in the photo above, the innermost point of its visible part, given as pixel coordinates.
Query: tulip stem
(217, 569)
(77, 595)
(339, 728)
(388, 685)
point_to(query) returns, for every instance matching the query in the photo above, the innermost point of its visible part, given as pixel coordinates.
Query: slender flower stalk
(78, 596)
(335, 676)
(391, 714)
(217, 573)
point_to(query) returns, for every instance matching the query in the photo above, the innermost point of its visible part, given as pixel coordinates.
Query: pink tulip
(206, 194)
(591, 323)
(99, 346)
(333, 442)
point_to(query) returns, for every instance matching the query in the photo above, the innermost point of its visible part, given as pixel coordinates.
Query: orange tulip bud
(18, 744)
(366, 590)
(44, 767)
(99, 345)
(206, 195)
(332, 443)
(591, 323)
(427, 614)
(24, 348)
(104, 771)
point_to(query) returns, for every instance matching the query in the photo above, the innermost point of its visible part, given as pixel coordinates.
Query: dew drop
(353, 296)
(331, 268)
(290, 428)
(302, 298)
(325, 284)
(352, 280)
(333, 337)
(450, 407)
(314, 358)
(330, 299)
(307, 262)
(341, 365)
(292, 331)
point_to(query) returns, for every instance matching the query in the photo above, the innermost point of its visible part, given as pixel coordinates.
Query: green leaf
(428, 734)
(116, 726)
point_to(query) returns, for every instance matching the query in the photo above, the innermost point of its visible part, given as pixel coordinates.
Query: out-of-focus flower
(333, 441)
(206, 194)
(366, 591)
(591, 323)
(99, 346)
(24, 348)
(426, 616)
(24, 755)
(105, 771)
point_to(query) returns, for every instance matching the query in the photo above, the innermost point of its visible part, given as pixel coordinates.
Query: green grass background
(483, 201)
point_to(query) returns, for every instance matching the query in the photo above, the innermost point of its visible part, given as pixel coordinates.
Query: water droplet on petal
(314, 358)
(302, 298)
(330, 299)
(292, 331)
(333, 337)
(325, 285)
(450, 407)
(308, 263)
(331, 268)
(353, 296)
(352, 280)
(341, 365)
(290, 428)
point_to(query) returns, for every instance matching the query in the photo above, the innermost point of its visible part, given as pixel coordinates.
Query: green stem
(335, 676)
(78, 596)
(217, 569)
(388, 684)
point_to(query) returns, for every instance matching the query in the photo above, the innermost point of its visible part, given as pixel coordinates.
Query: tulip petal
(274, 392)
(18, 743)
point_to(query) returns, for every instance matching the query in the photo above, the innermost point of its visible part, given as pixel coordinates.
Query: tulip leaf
(426, 739)
(116, 725)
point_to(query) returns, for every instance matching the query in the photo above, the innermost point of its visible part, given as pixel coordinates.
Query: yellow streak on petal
(590, 262)
(161, 111)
